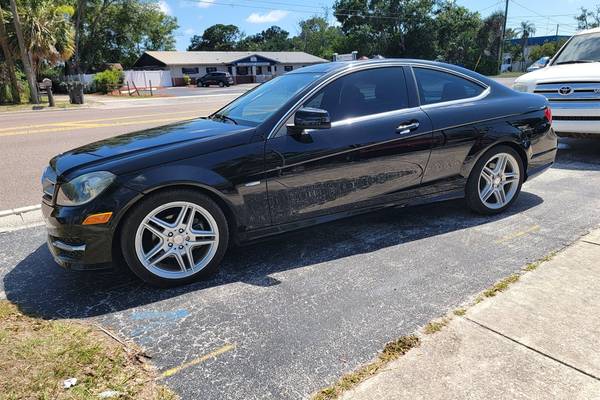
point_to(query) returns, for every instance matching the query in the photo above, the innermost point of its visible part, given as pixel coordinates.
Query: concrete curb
(20, 218)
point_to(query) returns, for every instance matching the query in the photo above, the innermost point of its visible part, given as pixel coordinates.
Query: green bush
(187, 80)
(108, 80)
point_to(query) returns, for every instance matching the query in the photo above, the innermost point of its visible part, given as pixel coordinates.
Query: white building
(244, 66)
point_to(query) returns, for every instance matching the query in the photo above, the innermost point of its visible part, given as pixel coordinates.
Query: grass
(391, 351)
(20, 107)
(508, 75)
(435, 326)
(534, 265)
(37, 355)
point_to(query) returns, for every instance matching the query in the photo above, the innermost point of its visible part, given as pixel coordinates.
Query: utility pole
(10, 62)
(501, 50)
(25, 57)
(557, 25)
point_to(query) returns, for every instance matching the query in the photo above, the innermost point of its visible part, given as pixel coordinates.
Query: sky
(252, 16)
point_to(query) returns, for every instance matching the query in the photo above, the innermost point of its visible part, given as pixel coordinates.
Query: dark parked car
(216, 78)
(313, 145)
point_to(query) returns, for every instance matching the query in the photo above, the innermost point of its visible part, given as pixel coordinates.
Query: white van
(571, 83)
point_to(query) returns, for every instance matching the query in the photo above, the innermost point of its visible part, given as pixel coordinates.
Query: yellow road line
(518, 234)
(196, 361)
(72, 126)
(85, 121)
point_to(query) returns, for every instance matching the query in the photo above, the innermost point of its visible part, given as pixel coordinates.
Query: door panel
(354, 164)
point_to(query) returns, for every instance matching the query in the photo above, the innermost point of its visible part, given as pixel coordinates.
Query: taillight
(548, 114)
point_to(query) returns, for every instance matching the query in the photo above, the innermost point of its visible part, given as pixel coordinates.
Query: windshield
(259, 104)
(580, 49)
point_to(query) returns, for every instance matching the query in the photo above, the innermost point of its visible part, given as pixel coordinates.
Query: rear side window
(437, 86)
(363, 93)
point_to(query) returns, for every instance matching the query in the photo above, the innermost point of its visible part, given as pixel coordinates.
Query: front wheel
(221, 84)
(495, 181)
(174, 237)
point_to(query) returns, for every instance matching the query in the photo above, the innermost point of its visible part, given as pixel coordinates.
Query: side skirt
(251, 237)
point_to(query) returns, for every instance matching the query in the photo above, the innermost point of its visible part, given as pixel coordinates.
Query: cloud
(189, 31)
(271, 16)
(205, 3)
(164, 7)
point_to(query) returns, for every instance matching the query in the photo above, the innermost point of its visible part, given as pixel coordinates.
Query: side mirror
(310, 118)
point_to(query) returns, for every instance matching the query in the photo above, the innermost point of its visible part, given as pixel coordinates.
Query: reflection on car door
(378, 145)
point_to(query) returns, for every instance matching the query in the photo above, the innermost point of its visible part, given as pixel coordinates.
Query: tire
(221, 84)
(504, 185)
(158, 250)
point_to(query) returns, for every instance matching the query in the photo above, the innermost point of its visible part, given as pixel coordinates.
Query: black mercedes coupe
(316, 144)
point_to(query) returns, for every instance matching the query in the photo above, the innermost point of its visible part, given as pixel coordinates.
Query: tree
(588, 19)
(394, 28)
(49, 33)
(457, 29)
(318, 38)
(271, 39)
(9, 60)
(548, 49)
(119, 31)
(217, 37)
(525, 30)
(25, 56)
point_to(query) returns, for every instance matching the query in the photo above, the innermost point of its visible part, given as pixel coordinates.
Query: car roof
(333, 67)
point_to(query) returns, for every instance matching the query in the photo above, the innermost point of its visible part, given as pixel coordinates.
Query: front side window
(211, 69)
(363, 93)
(437, 86)
(580, 49)
(259, 104)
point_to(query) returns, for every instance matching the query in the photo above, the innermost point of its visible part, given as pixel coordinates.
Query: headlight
(84, 188)
(520, 87)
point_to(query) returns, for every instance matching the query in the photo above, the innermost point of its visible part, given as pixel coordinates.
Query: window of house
(288, 68)
(211, 69)
(189, 71)
(437, 86)
(242, 70)
(258, 70)
(363, 93)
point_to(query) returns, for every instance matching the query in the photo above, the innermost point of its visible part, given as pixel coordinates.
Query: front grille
(570, 91)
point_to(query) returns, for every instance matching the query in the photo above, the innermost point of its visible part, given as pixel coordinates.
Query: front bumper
(76, 246)
(575, 117)
(85, 247)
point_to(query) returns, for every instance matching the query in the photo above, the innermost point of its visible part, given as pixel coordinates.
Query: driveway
(287, 316)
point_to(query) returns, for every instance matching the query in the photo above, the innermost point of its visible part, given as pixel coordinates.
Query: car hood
(562, 74)
(191, 137)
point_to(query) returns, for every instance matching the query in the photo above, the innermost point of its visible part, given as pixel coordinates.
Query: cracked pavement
(300, 309)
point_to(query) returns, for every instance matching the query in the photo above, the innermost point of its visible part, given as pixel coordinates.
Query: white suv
(571, 83)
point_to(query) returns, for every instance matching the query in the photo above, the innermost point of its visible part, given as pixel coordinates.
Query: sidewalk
(538, 340)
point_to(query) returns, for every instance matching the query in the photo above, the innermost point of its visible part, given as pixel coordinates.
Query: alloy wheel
(176, 240)
(499, 181)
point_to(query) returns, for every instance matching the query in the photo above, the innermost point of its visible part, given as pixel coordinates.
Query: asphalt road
(29, 139)
(286, 317)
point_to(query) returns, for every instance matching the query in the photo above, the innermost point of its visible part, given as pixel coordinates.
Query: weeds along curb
(401, 346)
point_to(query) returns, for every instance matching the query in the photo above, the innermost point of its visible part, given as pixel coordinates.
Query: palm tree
(9, 60)
(49, 32)
(526, 29)
(25, 55)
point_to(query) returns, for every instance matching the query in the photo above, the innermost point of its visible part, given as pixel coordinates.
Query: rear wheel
(221, 84)
(174, 237)
(495, 181)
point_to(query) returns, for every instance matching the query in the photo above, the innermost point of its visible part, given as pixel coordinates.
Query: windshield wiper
(223, 118)
(576, 62)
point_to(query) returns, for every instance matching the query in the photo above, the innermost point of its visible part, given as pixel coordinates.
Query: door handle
(407, 127)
